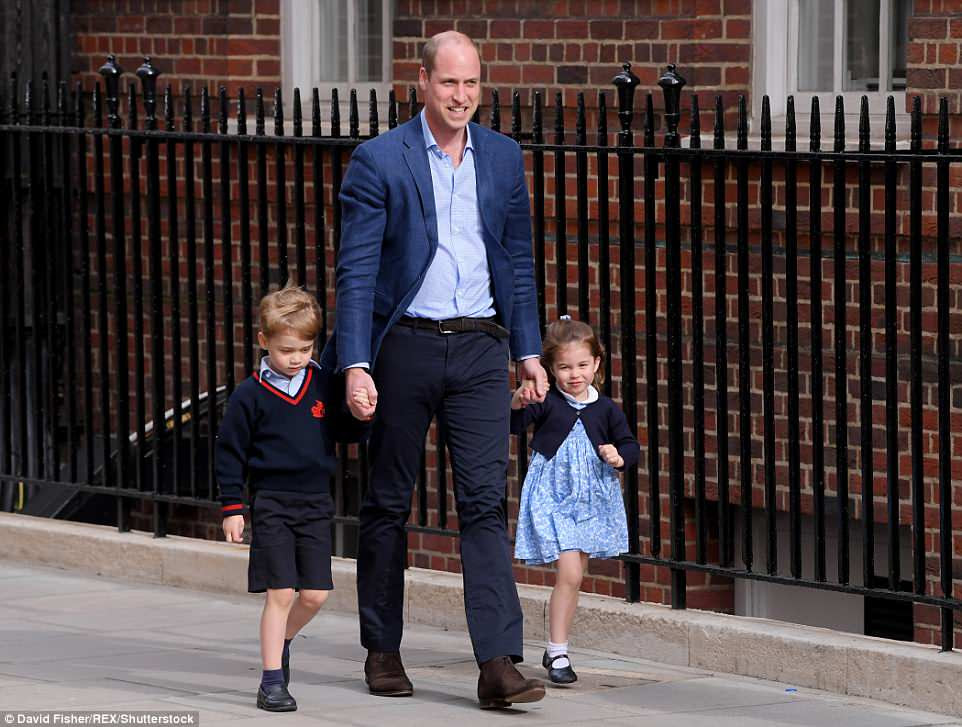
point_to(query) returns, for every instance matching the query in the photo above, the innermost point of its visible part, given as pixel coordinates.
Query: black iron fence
(132, 255)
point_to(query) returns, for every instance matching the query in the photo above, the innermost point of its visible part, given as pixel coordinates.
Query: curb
(913, 675)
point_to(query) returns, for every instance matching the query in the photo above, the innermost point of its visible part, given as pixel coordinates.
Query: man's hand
(534, 381)
(361, 394)
(609, 454)
(234, 528)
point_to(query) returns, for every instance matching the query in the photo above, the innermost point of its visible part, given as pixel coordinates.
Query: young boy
(278, 436)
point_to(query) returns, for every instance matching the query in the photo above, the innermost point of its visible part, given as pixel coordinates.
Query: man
(434, 283)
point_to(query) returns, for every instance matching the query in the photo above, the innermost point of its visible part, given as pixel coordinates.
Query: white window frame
(300, 62)
(775, 73)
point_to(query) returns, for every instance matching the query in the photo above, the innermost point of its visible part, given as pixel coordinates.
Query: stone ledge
(913, 675)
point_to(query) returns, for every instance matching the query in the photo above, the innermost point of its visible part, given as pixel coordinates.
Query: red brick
(948, 53)
(498, 73)
(477, 29)
(707, 7)
(159, 24)
(130, 24)
(538, 29)
(576, 29)
(254, 46)
(240, 26)
(638, 29)
(607, 29)
(719, 52)
(737, 7)
(735, 29)
(268, 26)
(239, 67)
(267, 7)
(505, 29)
(927, 28)
(538, 74)
(926, 78)
(676, 29)
(955, 28)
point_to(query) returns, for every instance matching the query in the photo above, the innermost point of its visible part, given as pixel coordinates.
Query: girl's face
(574, 369)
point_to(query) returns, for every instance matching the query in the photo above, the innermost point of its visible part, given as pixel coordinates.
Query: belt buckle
(444, 331)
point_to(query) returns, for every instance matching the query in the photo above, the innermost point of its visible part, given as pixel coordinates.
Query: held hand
(533, 379)
(609, 454)
(361, 394)
(234, 528)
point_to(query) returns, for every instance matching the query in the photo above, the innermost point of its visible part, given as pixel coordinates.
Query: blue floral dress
(571, 502)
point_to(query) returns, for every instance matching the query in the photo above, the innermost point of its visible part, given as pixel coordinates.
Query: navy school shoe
(275, 698)
(562, 675)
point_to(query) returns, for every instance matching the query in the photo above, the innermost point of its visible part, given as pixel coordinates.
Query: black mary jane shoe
(562, 675)
(275, 698)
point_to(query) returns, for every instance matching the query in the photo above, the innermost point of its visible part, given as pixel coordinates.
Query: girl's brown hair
(568, 331)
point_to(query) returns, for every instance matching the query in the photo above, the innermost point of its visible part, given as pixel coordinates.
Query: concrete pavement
(70, 642)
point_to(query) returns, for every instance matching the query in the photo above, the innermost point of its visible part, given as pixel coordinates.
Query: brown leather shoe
(501, 685)
(384, 674)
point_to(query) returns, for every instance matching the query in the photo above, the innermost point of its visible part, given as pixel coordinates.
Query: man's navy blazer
(389, 238)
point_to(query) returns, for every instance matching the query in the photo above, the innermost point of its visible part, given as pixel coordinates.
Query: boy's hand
(361, 394)
(234, 528)
(609, 454)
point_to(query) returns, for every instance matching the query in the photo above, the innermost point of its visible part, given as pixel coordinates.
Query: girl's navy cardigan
(553, 419)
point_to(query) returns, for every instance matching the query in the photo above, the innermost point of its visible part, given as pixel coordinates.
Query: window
(825, 48)
(339, 44)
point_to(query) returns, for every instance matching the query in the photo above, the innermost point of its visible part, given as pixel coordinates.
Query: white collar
(265, 368)
(592, 396)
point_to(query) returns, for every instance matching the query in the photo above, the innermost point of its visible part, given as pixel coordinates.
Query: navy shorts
(290, 541)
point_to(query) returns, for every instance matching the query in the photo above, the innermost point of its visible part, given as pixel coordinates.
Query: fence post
(625, 82)
(671, 84)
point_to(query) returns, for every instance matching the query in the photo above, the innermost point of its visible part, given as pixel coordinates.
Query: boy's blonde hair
(290, 308)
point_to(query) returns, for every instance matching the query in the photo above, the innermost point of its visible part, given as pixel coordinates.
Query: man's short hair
(436, 41)
(290, 308)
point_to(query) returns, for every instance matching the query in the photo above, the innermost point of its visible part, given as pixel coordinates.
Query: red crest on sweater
(318, 409)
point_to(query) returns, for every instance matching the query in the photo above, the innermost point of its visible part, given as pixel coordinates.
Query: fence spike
(602, 119)
(412, 102)
(719, 141)
(943, 143)
(296, 114)
(353, 117)
(581, 131)
(742, 131)
(96, 103)
(205, 110)
(890, 124)
(14, 99)
(315, 112)
(391, 109)
(45, 99)
(222, 115)
(536, 122)
(839, 124)
(559, 118)
(78, 100)
(790, 140)
(3, 108)
(61, 103)
(649, 136)
(147, 74)
(766, 124)
(694, 130)
(188, 119)
(516, 116)
(169, 108)
(495, 110)
(335, 114)
(815, 127)
(29, 101)
(259, 112)
(278, 113)
(373, 122)
(916, 132)
(241, 112)
(111, 72)
(864, 129)
(132, 120)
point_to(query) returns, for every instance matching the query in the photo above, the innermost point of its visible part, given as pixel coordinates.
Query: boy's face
(288, 351)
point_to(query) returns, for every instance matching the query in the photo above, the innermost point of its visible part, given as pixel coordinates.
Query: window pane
(816, 39)
(370, 33)
(333, 41)
(900, 34)
(861, 46)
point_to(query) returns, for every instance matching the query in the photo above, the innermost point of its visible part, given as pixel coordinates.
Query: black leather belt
(455, 325)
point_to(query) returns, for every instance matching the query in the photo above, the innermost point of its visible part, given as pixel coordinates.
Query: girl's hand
(609, 454)
(523, 396)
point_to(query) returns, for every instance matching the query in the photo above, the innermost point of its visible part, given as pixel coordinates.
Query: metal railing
(112, 378)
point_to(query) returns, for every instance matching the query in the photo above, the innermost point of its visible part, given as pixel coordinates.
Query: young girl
(571, 503)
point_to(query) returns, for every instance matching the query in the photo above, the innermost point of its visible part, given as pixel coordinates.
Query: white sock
(557, 650)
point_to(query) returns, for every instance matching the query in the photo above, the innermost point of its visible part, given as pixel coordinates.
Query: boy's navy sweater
(273, 441)
(554, 418)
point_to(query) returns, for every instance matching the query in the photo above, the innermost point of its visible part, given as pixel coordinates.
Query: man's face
(453, 90)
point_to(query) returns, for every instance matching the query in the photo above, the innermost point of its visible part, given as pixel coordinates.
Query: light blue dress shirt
(458, 280)
(290, 386)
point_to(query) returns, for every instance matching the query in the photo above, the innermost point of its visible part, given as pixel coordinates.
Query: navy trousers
(463, 379)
